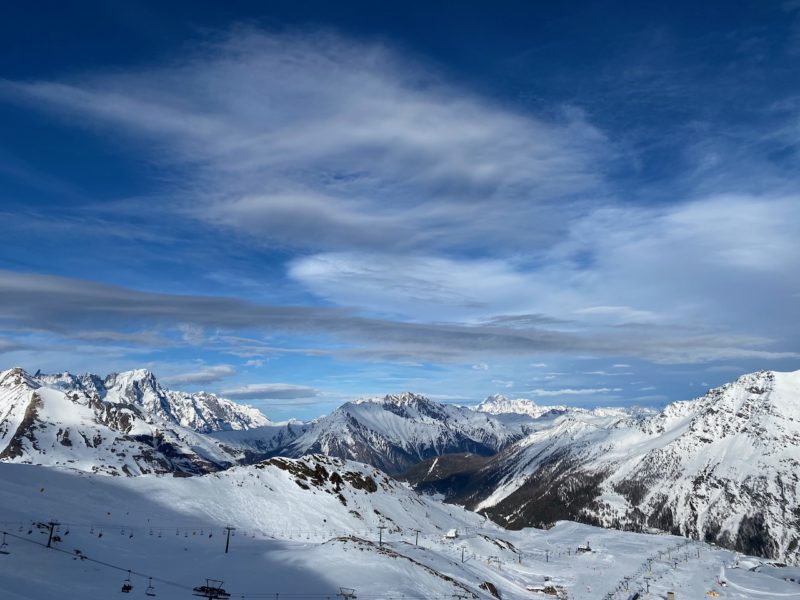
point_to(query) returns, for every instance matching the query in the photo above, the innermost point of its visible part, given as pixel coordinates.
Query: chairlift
(127, 585)
(212, 590)
(150, 591)
(4, 547)
(347, 593)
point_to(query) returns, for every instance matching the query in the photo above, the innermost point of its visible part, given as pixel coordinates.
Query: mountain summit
(497, 404)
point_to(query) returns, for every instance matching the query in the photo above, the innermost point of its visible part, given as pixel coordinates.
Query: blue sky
(294, 205)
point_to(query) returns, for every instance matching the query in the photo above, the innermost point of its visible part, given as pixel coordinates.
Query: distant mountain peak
(136, 379)
(200, 411)
(401, 399)
(497, 404)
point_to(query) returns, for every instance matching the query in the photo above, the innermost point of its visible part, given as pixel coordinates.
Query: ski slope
(296, 537)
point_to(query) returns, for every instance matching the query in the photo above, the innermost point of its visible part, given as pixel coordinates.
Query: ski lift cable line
(192, 526)
(536, 554)
(83, 557)
(294, 596)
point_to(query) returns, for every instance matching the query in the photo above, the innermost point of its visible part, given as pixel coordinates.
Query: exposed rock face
(199, 411)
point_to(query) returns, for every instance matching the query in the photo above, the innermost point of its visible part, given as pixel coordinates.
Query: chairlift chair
(4, 547)
(127, 586)
(150, 591)
(212, 590)
(347, 593)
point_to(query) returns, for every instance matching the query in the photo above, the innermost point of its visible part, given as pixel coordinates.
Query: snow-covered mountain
(724, 467)
(497, 404)
(125, 424)
(395, 432)
(199, 411)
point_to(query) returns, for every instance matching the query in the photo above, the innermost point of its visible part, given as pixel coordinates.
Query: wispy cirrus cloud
(416, 221)
(721, 262)
(319, 141)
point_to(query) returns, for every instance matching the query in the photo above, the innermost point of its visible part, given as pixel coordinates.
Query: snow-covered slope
(397, 431)
(724, 467)
(307, 528)
(54, 421)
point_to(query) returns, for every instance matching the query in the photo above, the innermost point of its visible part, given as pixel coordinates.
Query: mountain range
(722, 467)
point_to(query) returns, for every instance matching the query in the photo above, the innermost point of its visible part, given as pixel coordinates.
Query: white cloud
(607, 373)
(418, 286)
(393, 181)
(619, 314)
(208, 374)
(668, 268)
(268, 391)
(503, 383)
(541, 393)
(315, 140)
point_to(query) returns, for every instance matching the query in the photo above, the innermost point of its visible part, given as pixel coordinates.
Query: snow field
(297, 543)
